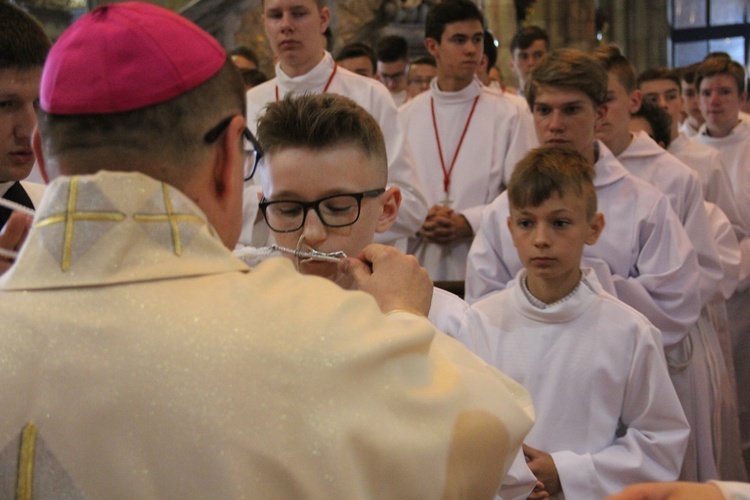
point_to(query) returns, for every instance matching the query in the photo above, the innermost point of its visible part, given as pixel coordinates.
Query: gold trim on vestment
(171, 217)
(71, 216)
(26, 463)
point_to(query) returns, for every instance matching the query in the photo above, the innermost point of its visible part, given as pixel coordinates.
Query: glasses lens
(285, 216)
(339, 210)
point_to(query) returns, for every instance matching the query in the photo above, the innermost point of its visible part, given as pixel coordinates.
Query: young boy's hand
(543, 467)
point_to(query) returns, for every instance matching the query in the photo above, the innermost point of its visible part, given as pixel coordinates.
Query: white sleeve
(729, 249)
(698, 229)
(402, 172)
(666, 287)
(733, 490)
(486, 271)
(654, 442)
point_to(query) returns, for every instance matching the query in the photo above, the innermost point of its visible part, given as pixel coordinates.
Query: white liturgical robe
(498, 135)
(735, 149)
(142, 360)
(375, 99)
(643, 245)
(606, 409)
(645, 159)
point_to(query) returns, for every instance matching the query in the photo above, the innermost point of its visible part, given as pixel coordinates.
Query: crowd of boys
(606, 264)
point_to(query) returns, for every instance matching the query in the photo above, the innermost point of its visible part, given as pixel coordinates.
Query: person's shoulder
(349, 79)
(495, 301)
(623, 319)
(415, 103)
(500, 100)
(442, 296)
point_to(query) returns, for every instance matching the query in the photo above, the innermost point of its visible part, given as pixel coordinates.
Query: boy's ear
(636, 97)
(596, 225)
(601, 114)
(391, 204)
(431, 45)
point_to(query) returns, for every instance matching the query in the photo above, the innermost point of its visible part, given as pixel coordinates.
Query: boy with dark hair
(162, 366)
(465, 139)
(527, 47)
(654, 121)
(244, 57)
(393, 58)
(577, 349)
(358, 58)
(23, 50)
(692, 112)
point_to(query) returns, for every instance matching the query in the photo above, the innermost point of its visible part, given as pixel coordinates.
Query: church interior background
(650, 32)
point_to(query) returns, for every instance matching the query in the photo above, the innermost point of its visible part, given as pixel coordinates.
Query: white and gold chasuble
(141, 359)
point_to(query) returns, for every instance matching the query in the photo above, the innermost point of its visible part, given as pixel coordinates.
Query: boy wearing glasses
(324, 187)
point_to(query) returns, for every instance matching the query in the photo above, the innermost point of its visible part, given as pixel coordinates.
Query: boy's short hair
(253, 77)
(659, 119)
(526, 36)
(319, 122)
(660, 73)
(427, 60)
(172, 130)
(613, 60)
(545, 171)
(570, 69)
(358, 49)
(449, 11)
(490, 49)
(392, 48)
(23, 42)
(687, 73)
(247, 53)
(721, 66)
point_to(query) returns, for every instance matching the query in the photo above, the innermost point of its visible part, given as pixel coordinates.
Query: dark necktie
(18, 194)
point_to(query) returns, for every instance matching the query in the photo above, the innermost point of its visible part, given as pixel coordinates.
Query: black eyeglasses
(338, 210)
(252, 156)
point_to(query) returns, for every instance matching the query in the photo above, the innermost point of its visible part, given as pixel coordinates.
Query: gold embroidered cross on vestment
(171, 217)
(70, 217)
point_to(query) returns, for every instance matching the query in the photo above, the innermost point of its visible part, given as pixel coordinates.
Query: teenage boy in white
(465, 139)
(721, 88)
